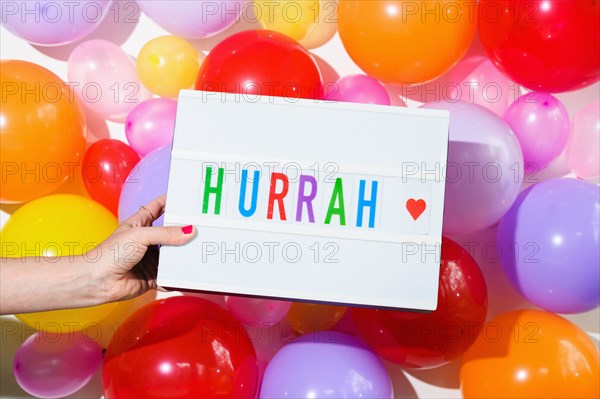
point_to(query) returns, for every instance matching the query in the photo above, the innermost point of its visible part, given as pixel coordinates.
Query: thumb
(172, 235)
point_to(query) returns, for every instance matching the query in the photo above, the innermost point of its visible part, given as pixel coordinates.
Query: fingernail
(187, 229)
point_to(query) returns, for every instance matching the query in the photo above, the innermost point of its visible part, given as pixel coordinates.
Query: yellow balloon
(168, 64)
(104, 331)
(307, 317)
(293, 18)
(325, 28)
(59, 225)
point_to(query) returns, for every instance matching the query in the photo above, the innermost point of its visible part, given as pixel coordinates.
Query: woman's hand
(123, 266)
(129, 261)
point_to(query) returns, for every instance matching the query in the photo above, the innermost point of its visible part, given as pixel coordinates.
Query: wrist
(88, 281)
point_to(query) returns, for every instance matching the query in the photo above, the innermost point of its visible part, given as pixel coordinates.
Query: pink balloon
(358, 89)
(541, 124)
(256, 310)
(582, 150)
(150, 125)
(50, 365)
(477, 80)
(105, 79)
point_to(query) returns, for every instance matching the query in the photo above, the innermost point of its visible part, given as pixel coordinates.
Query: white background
(441, 382)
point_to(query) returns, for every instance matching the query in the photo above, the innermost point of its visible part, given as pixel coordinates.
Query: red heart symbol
(415, 207)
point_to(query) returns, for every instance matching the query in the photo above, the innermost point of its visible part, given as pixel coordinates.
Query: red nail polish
(187, 229)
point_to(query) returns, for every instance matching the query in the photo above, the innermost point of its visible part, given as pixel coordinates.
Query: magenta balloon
(541, 124)
(326, 364)
(53, 23)
(150, 125)
(257, 310)
(105, 79)
(484, 171)
(583, 156)
(195, 19)
(477, 80)
(358, 89)
(50, 365)
(146, 181)
(550, 245)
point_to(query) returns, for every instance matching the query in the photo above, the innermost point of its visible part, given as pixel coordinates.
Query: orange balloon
(531, 354)
(406, 42)
(307, 317)
(75, 184)
(42, 128)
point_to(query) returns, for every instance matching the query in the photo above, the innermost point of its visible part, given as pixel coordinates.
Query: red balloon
(548, 45)
(180, 347)
(427, 340)
(106, 165)
(261, 62)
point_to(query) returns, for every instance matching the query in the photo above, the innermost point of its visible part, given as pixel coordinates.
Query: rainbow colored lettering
(308, 189)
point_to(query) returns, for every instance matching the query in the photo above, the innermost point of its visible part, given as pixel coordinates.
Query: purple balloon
(56, 365)
(541, 124)
(359, 89)
(194, 19)
(326, 364)
(53, 23)
(147, 181)
(150, 125)
(550, 245)
(484, 171)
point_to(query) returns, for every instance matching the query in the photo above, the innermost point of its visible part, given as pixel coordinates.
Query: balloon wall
(88, 104)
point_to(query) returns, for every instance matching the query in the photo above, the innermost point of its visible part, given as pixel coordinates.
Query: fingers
(147, 216)
(172, 235)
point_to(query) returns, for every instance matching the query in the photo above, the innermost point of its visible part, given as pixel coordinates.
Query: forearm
(37, 284)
